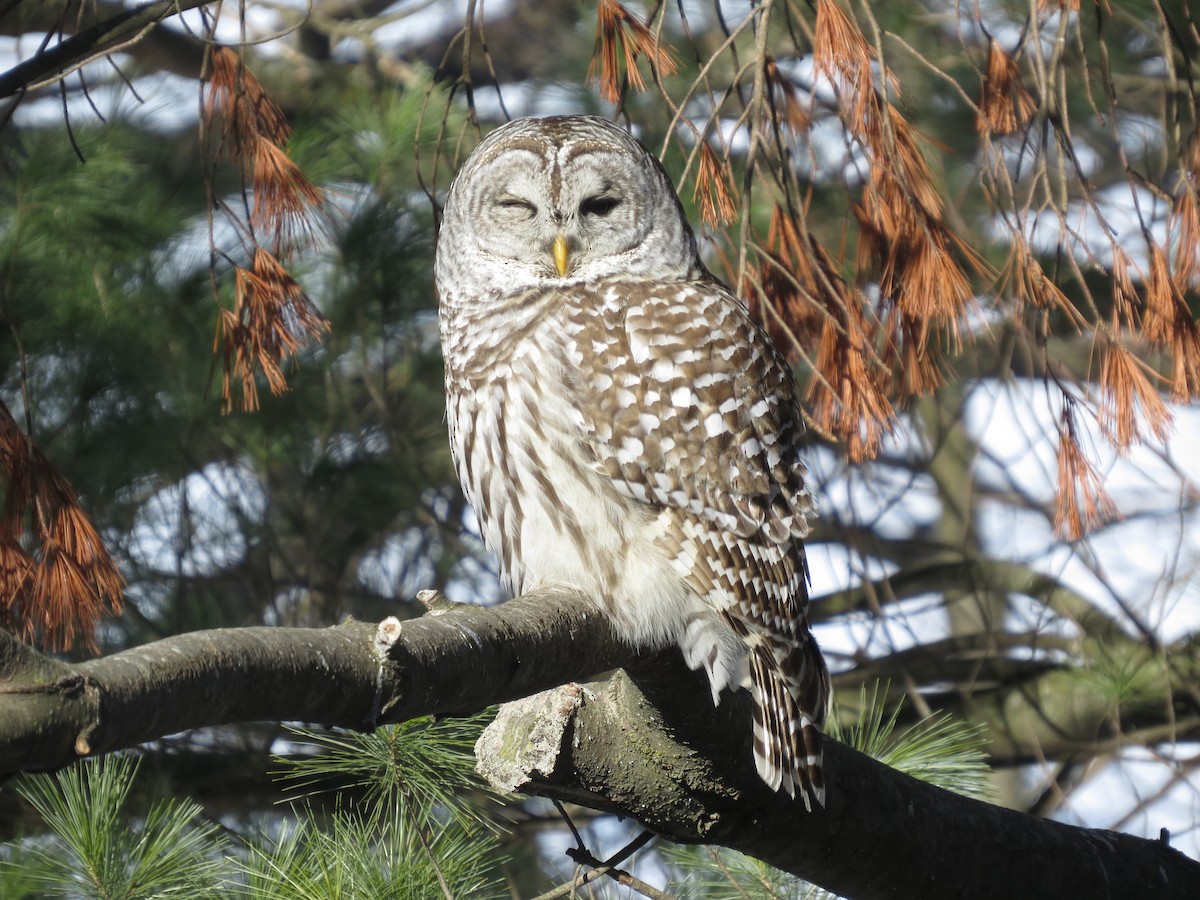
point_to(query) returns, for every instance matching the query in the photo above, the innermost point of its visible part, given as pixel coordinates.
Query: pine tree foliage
(355, 859)
(409, 834)
(420, 767)
(937, 748)
(94, 851)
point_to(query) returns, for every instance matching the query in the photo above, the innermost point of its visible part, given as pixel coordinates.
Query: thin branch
(92, 43)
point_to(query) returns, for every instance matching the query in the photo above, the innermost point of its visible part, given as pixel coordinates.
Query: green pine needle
(715, 873)
(423, 767)
(96, 852)
(941, 750)
(378, 859)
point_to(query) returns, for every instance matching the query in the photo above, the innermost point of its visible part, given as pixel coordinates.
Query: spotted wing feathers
(690, 410)
(691, 406)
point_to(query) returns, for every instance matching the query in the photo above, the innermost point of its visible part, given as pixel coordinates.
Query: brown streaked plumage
(619, 422)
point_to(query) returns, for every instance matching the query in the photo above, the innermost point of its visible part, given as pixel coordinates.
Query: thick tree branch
(447, 663)
(654, 749)
(637, 747)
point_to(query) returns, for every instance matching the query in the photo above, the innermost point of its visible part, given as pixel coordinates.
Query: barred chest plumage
(514, 433)
(548, 511)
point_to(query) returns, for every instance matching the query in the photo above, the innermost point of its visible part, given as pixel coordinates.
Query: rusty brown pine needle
(73, 531)
(238, 97)
(57, 592)
(812, 266)
(15, 451)
(935, 291)
(622, 37)
(1128, 399)
(272, 318)
(914, 361)
(841, 53)
(1185, 382)
(1185, 226)
(840, 50)
(65, 602)
(285, 201)
(1026, 280)
(1124, 294)
(795, 321)
(16, 579)
(1164, 304)
(232, 342)
(783, 236)
(1004, 105)
(786, 97)
(873, 247)
(74, 559)
(908, 166)
(713, 192)
(846, 398)
(920, 263)
(1082, 502)
(788, 283)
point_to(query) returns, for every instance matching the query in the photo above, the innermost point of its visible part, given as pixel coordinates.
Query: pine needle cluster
(405, 824)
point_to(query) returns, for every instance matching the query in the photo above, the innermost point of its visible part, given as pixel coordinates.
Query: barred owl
(619, 422)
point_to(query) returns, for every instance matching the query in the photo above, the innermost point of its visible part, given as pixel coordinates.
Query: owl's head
(560, 200)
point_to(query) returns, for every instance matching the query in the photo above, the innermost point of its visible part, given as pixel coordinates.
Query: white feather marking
(714, 424)
(683, 396)
(631, 450)
(662, 370)
(639, 350)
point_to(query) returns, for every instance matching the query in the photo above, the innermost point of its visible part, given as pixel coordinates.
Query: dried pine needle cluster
(272, 316)
(1005, 107)
(621, 38)
(875, 320)
(56, 577)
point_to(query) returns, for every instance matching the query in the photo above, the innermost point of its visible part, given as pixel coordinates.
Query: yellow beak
(560, 255)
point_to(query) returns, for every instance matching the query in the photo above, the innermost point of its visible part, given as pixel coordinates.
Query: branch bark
(445, 663)
(650, 745)
(631, 747)
(108, 34)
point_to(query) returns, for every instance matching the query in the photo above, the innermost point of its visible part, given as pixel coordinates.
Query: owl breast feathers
(619, 423)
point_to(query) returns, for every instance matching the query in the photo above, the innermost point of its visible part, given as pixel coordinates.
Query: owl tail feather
(787, 735)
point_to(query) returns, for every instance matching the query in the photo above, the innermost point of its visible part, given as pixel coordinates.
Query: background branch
(107, 34)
